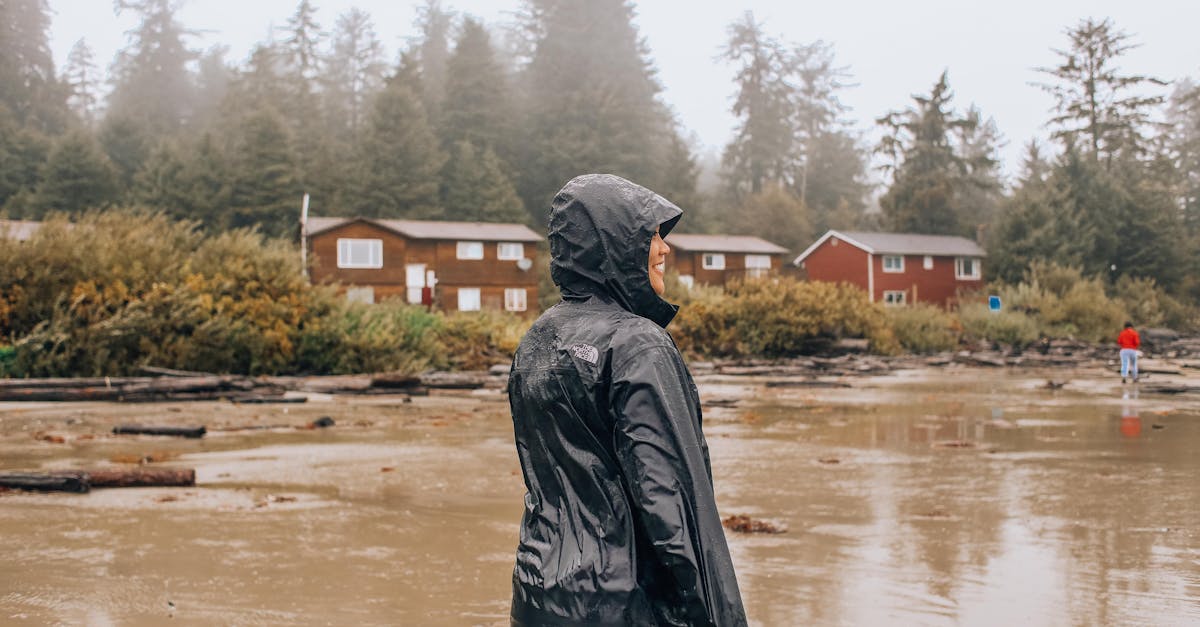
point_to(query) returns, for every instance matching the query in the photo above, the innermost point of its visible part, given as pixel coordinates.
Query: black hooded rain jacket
(620, 524)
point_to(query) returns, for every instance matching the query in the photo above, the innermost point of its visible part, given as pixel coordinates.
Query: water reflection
(1131, 423)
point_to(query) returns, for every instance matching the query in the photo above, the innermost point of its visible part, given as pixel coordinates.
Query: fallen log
(142, 477)
(182, 432)
(63, 481)
(806, 383)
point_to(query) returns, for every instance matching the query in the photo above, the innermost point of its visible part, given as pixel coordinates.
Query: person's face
(658, 263)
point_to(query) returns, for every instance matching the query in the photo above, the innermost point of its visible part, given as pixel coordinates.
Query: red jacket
(1128, 339)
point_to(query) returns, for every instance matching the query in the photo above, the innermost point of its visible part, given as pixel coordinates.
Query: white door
(414, 279)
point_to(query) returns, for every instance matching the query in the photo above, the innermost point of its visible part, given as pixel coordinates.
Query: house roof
(20, 230)
(724, 244)
(901, 244)
(436, 229)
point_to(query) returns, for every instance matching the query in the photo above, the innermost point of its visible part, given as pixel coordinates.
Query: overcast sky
(893, 49)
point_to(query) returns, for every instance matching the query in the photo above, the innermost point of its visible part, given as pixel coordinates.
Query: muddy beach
(949, 495)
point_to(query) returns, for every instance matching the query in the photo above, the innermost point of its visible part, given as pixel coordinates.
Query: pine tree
(82, 79)
(432, 55)
(151, 83)
(398, 161)
(1097, 108)
(603, 115)
(29, 88)
(354, 72)
(474, 187)
(477, 107)
(761, 152)
(264, 191)
(776, 215)
(928, 174)
(76, 176)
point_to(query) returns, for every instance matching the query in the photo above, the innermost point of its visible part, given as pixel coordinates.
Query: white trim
(511, 299)
(928, 262)
(500, 251)
(871, 277)
(715, 266)
(903, 298)
(808, 251)
(478, 298)
(374, 252)
(975, 263)
(463, 247)
(883, 259)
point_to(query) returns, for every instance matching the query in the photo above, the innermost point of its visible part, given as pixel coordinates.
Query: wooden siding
(490, 274)
(847, 263)
(690, 262)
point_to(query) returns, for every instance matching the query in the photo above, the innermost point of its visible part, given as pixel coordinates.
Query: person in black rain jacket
(620, 524)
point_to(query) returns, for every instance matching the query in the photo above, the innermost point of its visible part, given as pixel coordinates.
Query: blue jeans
(1128, 358)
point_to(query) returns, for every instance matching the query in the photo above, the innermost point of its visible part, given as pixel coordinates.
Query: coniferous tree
(1097, 108)
(82, 79)
(590, 99)
(762, 149)
(776, 215)
(263, 189)
(29, 88)
(398, 160)
(354, 72)
(432, 55)
(76, 176)
(151, 83)
(928, 173)
(474, 187)
(477, 106)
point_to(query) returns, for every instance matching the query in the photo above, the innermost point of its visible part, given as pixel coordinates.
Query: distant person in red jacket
(1129, 342)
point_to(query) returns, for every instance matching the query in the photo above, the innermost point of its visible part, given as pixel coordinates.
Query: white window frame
(467, 250)
(895, 298)
(712, 261)
(958, 267)
(894, 270)
(928, 262)
(473, 300)
(510, 251)
(516, 299)
(687, 281)
(757, 266)
(361, 294)
(374, 253)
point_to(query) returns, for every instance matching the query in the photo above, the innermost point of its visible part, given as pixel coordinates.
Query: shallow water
(941, 498)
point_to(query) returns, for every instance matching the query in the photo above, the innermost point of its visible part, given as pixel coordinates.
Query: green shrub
(391, 336)
(780, 318)
(480, 339)
(1148, 305)
(1011, 327)
(925, 328)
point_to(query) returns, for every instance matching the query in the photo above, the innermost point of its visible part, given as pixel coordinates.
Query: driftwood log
(181, 432)
(83, 480)
(65, 481)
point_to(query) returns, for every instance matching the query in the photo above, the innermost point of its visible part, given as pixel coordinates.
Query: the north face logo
(586, 352)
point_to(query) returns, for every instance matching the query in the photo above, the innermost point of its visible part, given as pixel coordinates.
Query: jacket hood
(600, 230)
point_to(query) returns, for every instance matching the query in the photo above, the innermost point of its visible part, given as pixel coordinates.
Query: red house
(897, 268)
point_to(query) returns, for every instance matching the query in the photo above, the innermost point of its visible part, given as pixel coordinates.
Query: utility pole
(304, 237)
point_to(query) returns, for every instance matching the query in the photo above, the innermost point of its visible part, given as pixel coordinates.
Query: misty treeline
(484, 122)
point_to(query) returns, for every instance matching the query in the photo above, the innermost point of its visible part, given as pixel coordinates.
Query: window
(468, 299)
(757, 266)
(414, 280)
(510, 251)
(893, 263)
(894, 298)
(514, 299)
(361, 295)
(966, 268)
(470, 250)
(687, 280)
(928, 262)
(713, 261)
(360, 253)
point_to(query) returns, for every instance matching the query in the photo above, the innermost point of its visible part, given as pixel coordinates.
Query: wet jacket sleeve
(661, 453)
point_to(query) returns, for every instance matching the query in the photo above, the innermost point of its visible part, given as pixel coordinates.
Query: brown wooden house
(454, 266)
(897, 268)
(720, 259)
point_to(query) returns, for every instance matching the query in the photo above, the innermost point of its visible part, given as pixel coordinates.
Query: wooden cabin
(453, 266)
(720, 259)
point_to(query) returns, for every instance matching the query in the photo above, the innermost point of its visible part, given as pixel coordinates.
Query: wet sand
(933, 497)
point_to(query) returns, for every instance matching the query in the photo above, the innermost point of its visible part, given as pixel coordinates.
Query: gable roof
(436, 229)
(724, 244)
(901, 244)
(20, 230)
